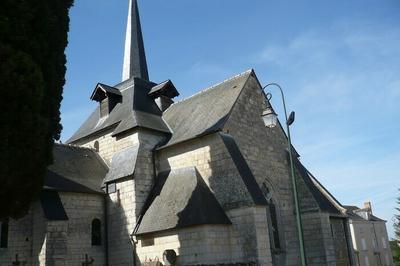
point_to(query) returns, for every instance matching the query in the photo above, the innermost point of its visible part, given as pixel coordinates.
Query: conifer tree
(33, 38)
(396, 242)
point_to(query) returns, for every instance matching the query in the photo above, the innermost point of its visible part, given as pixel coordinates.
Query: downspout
(133, 240)
(106, 223)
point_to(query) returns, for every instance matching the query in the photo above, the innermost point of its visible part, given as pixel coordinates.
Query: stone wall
(19, 240)
(208, 244)
(265, 150)
(211, 158)
(249, 233)
(316, 250)
(250, 236)
(125, 204)
(109, 145)
(339, 241)
(39, 227)
(214, 244)
(75, 233)
(121, 222)
(38, 241)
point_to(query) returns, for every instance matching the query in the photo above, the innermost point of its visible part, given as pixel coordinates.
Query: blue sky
(338, 62)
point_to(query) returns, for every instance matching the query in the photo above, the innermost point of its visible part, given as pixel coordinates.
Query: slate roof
(137, 109)
(75, 169)
(166, 88)
(107, 89)
(123, 164)
(205, 112)
(135, 64)
(180, 199)
(324, 199)
(351, 212)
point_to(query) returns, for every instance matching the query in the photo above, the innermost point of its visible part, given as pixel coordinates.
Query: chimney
(368, 207)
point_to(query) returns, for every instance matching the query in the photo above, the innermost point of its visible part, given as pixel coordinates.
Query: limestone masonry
(146, 181)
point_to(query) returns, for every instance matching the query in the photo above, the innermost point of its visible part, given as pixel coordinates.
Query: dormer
(107, 97)
(163, 93)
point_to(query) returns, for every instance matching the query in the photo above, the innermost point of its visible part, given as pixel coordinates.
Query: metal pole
(294, 183)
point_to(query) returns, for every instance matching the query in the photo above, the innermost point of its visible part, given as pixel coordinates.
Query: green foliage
(395, 244)
(33, 37)
(397, 221)
(396, 252)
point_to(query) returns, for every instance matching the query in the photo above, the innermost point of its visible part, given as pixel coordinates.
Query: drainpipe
(133, 240)
(106, 224)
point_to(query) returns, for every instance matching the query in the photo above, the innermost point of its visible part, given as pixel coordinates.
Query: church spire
(134, 58)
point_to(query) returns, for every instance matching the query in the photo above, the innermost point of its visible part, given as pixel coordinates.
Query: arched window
(96, 146)
(96, 232)
(274, 225)
(272, 217)
(4, 234)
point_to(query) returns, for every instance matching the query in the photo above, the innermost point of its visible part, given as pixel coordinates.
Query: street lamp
(270, 120)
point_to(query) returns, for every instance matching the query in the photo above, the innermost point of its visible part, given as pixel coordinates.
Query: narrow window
(274, 221)
(384, 243)
(363, 244)
(96, 146)
(96, 232)
(273, 218)
(4, 234)
(366, 261)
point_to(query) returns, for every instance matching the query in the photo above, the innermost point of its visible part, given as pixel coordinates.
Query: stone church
(200, 181)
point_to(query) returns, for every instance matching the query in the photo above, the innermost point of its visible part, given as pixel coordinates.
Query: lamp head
(269, 116)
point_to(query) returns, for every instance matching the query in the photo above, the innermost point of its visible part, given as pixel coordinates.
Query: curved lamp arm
(283, 96)
(289, 121)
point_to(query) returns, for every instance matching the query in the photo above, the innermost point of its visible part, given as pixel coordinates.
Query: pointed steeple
(134, 58)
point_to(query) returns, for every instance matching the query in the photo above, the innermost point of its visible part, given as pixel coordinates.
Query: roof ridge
(213, 86)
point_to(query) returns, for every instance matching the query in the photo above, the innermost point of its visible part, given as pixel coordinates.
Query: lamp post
(270, 120)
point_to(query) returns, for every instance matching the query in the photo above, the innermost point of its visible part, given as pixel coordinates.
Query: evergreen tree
(396, 243)
(33, 38)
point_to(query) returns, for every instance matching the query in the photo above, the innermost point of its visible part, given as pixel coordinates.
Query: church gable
(265, 149)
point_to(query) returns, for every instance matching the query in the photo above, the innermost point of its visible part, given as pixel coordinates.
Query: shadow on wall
(72, 241)
(120, 245)
(221, 177)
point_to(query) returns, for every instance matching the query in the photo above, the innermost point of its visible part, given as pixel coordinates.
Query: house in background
(369, 237)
